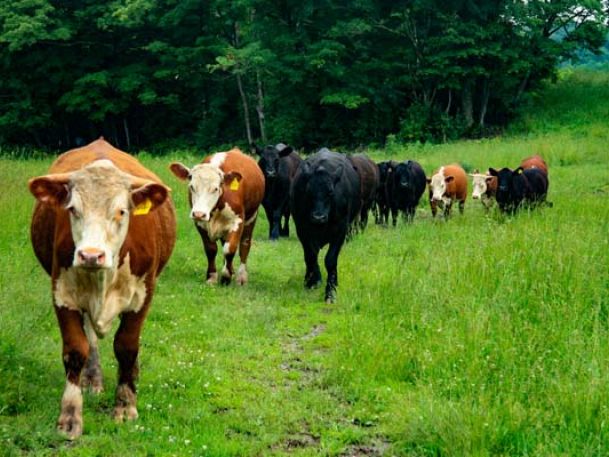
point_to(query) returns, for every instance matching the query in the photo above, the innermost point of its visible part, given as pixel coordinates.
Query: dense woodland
(308, 72)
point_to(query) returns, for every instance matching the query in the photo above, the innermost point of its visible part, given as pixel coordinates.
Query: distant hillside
(577, 102)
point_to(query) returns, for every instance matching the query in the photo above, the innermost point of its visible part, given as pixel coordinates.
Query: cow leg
(394, 216)
(447, 207)
(75, 354)
(230, 248)
(276, 224)
(126, 349)
(285, 230)
(409, 214)
(211, 249)
(313, 274)
(434, 207)
(92, 377)
(244, 249)
(461, 206)
(331, 261)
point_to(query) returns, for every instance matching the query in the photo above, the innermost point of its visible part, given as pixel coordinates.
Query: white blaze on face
(438, 185)
(205, 189)
(99, 213)
(479, 185)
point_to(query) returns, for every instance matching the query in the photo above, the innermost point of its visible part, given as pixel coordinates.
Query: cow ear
(148, 197)
(286, 151)
(180, 170)
(475, 172)
(489, 178)
(449, 179)
(492, 172)
(518, 171)
(51, 189)
(232, 179)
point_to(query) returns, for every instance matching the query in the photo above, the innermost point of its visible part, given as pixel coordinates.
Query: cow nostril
(198, 215)
(91, 257)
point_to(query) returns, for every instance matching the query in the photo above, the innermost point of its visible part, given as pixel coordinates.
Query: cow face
(510, 185)
(481, 184)
(320, 192)
(438, 186)
(207, 184)
(269, 158)
(100, 200)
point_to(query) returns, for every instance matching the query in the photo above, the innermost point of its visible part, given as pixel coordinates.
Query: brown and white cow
(484, 188)
(534, 161)
(103, 228)
(225, 192)
(447, 185)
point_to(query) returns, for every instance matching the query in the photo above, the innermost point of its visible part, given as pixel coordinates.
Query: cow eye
(72, 211)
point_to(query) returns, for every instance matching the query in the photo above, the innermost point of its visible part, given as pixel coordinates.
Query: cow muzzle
(200, 216)
(319, 218)
(90, 258)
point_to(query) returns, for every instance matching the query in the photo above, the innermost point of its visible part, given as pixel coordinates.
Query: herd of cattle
(104, 227)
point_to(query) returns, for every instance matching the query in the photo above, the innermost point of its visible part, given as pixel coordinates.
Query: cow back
(250, 192)
(535, 161)
(457, 188)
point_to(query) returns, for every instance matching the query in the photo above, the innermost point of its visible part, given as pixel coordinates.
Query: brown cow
(534, 161)
(484, 188)
(103, 228)
(224, 192)
(446, 185)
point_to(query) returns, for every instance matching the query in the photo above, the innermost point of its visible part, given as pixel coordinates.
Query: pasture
(481, 335)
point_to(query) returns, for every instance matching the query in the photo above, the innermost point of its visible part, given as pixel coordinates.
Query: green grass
(483, 335)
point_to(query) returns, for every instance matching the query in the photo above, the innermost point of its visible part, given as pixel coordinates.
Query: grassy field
(482, 335)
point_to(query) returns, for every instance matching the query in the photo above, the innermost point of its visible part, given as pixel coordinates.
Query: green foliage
(314, 73)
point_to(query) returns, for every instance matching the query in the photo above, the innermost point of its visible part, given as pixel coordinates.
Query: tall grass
(481, 335)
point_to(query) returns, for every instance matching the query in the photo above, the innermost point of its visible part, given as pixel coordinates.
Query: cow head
(320, 191)
(511, 185)
(403, 175)
(481, 184)
(438, 185)
(207, 184)
(269, 158)
(100, 200)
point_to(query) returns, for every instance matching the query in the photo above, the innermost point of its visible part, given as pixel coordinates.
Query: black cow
(520, 187)
(278, 164)
(369, 182)
(324, 200)
(408, 184)
(384, 192)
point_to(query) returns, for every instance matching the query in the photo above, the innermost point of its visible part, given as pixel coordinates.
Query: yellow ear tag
(234, 185)
(143, 208)
(520, 171)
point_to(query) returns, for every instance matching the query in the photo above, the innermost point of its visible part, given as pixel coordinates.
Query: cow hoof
(93, 383)
(313, 284)
(69, 423)
(242, 276)
(330, 297)
(225, 280)
(212, 279)
(122, 413)
(125, 407)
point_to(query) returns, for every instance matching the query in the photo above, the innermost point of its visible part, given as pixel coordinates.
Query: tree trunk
(522, 87)
(486, 92)
(467, 104)
(450, 101)
(126, 129)
(246, 110)
(260, 107)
